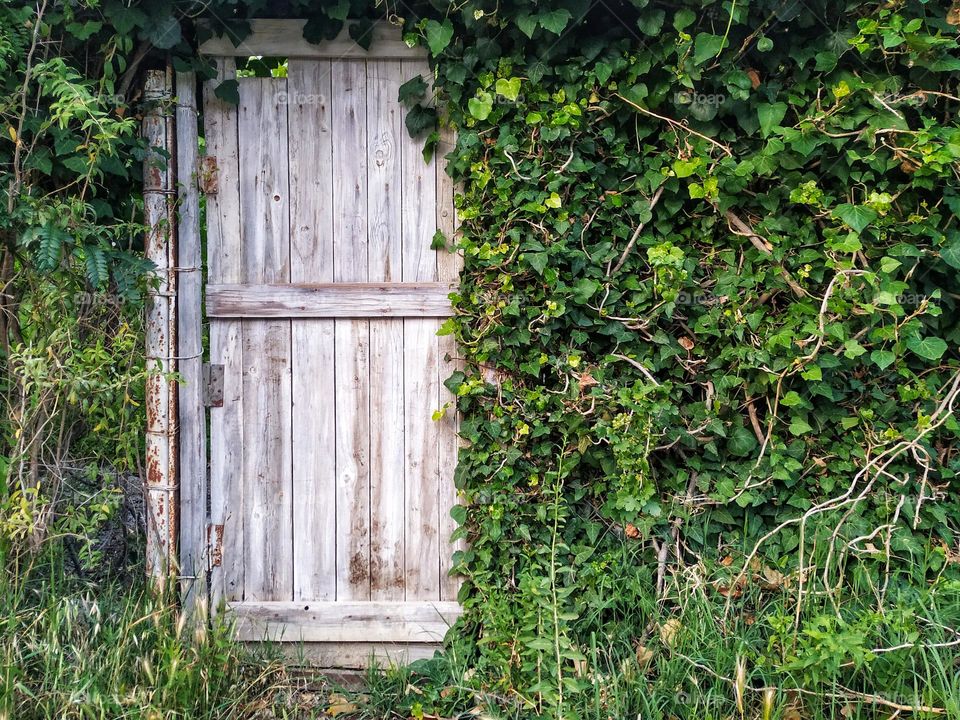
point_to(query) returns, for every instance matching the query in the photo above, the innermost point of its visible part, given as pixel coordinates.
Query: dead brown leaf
(644, 655)
(686, 343)
(339, 705)
(953, 14)
(586, 380)
(669, 630)
(631, 531)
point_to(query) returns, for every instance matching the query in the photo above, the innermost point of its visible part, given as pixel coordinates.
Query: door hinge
(214, 546)
(212, 385)
(209, 179)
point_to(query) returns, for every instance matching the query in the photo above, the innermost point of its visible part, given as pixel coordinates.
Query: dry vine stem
(847, 693)
(942, 413)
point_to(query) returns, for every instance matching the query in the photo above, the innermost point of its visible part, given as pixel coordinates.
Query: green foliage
(710, 267)
(123, 651)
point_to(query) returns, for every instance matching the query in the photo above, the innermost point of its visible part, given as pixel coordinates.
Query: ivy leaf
(320, 28)
(420, 119)
(950, 253)
(707, 46)
(361, 32)
(889, 264)
(163, 32)
(584, 290)
(510, 89)
(412, 91)
(742, 442)
(856, 217)
(536, 260)
(603, 71)
(650, 22)
(83, 31)
(683, 18)
(929, 348)
(481, 106)
(439, 35)
(339, 10)
(882, 358)
(771, 114)
(454, 382)
(430, 146)
(228, 91)
(799, 426)
(124, 19)
(792, 399)
(527, 24)
(826, 61)
(555, 21)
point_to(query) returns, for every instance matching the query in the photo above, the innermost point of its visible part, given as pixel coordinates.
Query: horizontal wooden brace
(284, 38)
(330, 300)
(367, 622)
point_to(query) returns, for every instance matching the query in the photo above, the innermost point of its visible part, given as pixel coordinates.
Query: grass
(672, 660)
(70, 649)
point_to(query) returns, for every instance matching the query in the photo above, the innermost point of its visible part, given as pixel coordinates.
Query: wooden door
(331, 482)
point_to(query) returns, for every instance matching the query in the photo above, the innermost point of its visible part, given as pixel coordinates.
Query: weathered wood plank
(344, 621)
(284, 38)
(449, 264)
(421, 374)
(331, 300)
(191, 417)
(265, 236)
(225, 264)
(385, 132)
(336, 656)
(352, 337)
(314, 377)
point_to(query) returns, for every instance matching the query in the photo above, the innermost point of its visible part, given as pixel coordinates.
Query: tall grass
(69, 650)
(678, 656)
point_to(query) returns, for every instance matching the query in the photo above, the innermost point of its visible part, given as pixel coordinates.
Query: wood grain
(352, 337)
(284, 38)
(421, 374)
(330, 300)
(191, 418)
(449, 265)
(225, 264)
(344, 621)
(314, 374)
(385, 135)
(265, 234)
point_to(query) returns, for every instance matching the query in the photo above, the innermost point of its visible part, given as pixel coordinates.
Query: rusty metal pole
(161, 388)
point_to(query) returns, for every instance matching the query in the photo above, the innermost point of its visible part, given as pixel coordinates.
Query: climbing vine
(711, 282)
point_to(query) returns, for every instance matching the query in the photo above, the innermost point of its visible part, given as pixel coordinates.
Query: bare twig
(636, 234)
(764, 246)
(638, 366)
(676, 124)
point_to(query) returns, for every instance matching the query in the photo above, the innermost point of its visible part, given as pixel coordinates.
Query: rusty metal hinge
(214, 546)
(209, 175)
(212, 385)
